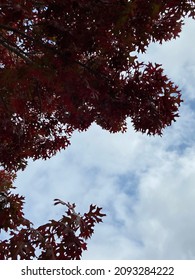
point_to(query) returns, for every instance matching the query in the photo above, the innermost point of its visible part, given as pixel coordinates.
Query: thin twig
(15, 50)
(15, 30)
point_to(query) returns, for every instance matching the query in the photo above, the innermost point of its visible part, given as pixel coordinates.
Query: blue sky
(144, 184)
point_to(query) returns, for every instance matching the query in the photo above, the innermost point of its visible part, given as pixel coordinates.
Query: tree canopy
(67, 64)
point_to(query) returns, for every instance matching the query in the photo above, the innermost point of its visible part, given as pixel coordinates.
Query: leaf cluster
(64, 239)
(61, 70)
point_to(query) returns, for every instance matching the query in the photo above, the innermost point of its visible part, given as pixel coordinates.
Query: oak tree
(63, 66)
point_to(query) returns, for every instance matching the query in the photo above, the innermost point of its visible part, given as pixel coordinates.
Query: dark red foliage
(64, 239)
(63, 66)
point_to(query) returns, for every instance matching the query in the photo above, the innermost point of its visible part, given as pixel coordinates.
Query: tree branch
(15, 30)
(14, 49)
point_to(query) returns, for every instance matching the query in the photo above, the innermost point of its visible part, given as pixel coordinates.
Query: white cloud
(144, 184)
(165, 211)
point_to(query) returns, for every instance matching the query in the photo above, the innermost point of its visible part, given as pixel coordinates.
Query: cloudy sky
(146, 185)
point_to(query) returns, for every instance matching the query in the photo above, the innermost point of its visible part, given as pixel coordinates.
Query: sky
(145, 184)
